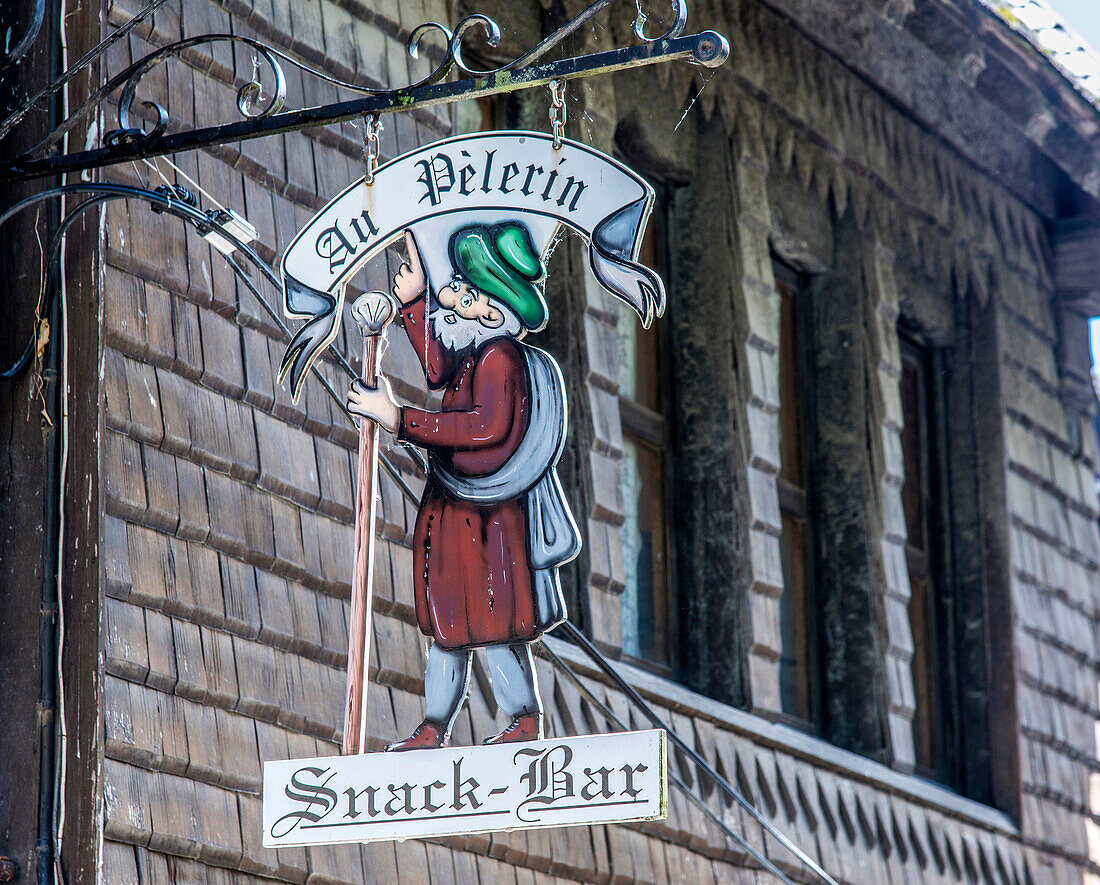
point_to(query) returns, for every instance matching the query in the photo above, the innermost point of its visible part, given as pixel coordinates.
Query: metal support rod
(708, 48)
(389, 466)
(632, 693)
(327, 385)
(740, 840)
(91, 55)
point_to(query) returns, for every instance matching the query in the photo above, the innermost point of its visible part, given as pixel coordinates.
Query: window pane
(639, 361)
(645, 610)
(917, 500)
(794, 627)
(791, 456)
(796, 622)
(926, 717)
(645, 602)
(912, 446)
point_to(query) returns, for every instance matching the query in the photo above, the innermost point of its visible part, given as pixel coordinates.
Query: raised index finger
(414, 254)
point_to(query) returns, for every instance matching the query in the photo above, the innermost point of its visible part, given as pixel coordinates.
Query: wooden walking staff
(372, 311)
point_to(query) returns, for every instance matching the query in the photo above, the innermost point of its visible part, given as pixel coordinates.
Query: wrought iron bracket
(708, 49)
(10, 56)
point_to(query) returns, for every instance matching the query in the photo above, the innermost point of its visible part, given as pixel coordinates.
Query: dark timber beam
(1076, 247)
(951, 95)
(1075, 244)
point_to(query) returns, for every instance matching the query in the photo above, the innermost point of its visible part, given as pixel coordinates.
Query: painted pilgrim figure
(493, 526)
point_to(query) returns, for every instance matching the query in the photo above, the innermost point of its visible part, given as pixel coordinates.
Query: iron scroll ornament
(12, 54)
(249, 102)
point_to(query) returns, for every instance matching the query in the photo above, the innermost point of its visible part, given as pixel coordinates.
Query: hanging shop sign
(475, 251)
(475, 217)
(376, 796)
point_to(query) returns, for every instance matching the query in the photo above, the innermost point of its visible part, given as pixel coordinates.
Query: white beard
(465, 333)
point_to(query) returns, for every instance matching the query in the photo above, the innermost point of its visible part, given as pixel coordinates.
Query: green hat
(501, 261)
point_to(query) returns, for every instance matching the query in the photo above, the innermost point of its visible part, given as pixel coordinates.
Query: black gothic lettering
(588, 791)
(310, 793)
(405, 789)
(506, 176)
(548, 772)
(628, 772)
(549, 184)
(333, 246)
(488, 168)
(372, 231)
(429, 805)
(464, 789)
(353, 795)
(569, 182)
(437, 175)
(531, 170)
(465, 176)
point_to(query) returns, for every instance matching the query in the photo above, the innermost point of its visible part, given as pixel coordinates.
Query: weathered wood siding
(226, 534)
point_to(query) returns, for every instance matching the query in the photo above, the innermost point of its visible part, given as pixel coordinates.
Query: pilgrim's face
(467, 302)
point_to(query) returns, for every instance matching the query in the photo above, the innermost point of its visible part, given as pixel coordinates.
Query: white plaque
(600, 778)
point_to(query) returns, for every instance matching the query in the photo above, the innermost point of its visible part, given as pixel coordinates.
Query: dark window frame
(795, 495)
(935, 679)
(971, 621)
(653, 430)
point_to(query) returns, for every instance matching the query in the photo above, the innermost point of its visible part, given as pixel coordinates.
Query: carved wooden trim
(1075, 244)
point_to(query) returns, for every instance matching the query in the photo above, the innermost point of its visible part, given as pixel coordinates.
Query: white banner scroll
(482, 178)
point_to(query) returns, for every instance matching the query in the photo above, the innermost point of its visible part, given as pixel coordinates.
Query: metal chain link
(370, 145)
(558, 111)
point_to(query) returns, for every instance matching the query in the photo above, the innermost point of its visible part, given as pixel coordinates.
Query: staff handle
(372, 311)
(359, 628)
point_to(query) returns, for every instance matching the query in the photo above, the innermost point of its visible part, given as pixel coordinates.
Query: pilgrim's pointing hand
(376, 403)
(409, 282)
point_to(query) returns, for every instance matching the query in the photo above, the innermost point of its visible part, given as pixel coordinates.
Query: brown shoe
(527, 727)
(428, 736)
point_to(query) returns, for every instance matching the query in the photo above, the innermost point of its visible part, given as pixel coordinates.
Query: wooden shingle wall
(227, 536)
(1055, 579)
(800, 113)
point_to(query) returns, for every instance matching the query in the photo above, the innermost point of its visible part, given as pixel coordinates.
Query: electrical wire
(104, 192)
(62, 727)
(198, 187)
(156, 168)
(61, 746)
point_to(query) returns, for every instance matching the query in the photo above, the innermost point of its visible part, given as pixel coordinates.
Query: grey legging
(511, 670)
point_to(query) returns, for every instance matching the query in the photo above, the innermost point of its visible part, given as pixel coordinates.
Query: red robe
(471, 577)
